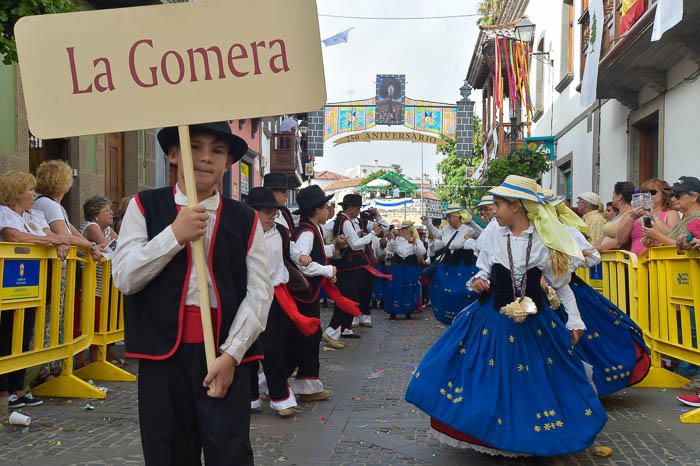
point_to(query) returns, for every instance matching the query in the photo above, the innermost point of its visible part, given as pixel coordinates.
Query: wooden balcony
(507, 134)
(284, 150)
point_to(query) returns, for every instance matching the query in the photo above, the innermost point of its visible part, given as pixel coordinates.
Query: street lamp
(466, 90)
(525, 30)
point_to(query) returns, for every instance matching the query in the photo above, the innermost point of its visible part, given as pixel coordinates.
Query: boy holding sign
(183, 407)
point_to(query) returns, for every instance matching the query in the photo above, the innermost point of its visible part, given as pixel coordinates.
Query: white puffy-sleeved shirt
(303, 246)
(402, 248)
(445, 234)
(137, 261)
(591, 254)
(495, 251)
(483, 237)
(275, 257)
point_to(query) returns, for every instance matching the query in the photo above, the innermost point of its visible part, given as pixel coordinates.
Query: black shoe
(30, 400)
(408, 316)
(350, 335)
(392, 316)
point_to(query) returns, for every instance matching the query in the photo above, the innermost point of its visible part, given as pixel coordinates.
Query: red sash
(306, 325)
(345, 304)
(192, 324)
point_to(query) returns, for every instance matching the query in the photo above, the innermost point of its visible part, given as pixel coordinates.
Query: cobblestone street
(367, 422)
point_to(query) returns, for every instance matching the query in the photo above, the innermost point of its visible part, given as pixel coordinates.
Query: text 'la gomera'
(194, 64)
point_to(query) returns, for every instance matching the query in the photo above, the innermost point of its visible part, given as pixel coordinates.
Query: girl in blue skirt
(504, 378)
(402, 294)
(613, 343)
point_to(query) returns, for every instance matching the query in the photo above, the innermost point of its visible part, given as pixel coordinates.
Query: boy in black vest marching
(183, 407)
(280, 184)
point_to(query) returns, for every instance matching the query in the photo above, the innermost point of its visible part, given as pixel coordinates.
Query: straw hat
(486, 200)
(406, 224)
(548, 197)
(517, 187)
(453, 209)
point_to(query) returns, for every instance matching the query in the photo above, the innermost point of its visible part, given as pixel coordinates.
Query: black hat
(351, 200)
(237, 147)
(686, 184)
(276, 181)
(262, 198)
(310, 198)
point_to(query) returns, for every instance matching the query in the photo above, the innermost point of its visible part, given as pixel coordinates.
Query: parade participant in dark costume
(403, 293)
(280, 184)
(356, 270)
(613, 344)
(308, 239)
(453, 267)
(504, 378)
(284, 319)
(153, 267)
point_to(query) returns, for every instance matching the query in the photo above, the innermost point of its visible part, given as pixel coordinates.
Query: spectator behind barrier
(622, 200)
(121, 210)
(589, 205)
(54, 179)
(686, 199)
(610, 211)
(661, 215)
(99, 220)
(19, 223)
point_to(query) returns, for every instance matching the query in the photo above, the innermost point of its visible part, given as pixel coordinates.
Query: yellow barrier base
(68, 386)
(662, 378)
(103, 370)
(691, 417)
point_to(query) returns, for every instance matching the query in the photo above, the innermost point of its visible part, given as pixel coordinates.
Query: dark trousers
(304, 352)
(178, 419)
(14, 381)
(356, 285)
(276, 343)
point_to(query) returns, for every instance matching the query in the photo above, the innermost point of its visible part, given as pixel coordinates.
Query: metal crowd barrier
(33, 280)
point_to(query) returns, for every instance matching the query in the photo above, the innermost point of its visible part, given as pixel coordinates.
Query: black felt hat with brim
(237, 147)
(351, 200)
(276, 181)
(310, 198)
(262, 198)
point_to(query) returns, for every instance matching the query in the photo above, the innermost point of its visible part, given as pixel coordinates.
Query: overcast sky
(433, 54)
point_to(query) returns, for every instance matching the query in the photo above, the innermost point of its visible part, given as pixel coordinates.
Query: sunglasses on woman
(650, 191)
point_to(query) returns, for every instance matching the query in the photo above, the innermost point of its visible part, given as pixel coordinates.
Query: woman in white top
(403, 293)
(18, 223)
(54, 179)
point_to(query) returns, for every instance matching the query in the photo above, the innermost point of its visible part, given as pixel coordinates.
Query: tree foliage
(12, 10)
(523, 162)
(455, 186)
(489, 11)
(396, 168)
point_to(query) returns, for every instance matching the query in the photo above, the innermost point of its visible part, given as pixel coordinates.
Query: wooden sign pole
(200, 265)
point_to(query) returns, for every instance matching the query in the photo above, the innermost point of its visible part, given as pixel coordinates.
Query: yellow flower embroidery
(560, 424)
(539, 416)
(596, 334)
(443, 391)
(463, 351)
(608, 379)
(461, 343)
(617, 322)
(485, 331)
(449, 384)
(521, 368)
(607, 369)
(615, 376)
(590, 337)
(546, 414)
(554, 324)
(457, 400)
(547, 427)
(550, 361)
(538, 429)
(511, 339)
(459, 390)
(417, 374)
(449, 396)
(620, 366)
(552, 413)
(492, 362)
(588, 411)
(500, 421)
(539, 332)
(628, 373)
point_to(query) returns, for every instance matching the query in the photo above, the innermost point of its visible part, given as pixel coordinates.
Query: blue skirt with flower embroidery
(402, 293)
(448, 290)
(514, 387)
(613, 344)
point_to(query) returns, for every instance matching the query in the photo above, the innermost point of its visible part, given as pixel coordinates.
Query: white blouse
(31, 221)
(401, 247)
(495, 251)
(446, 233)
(275, 257)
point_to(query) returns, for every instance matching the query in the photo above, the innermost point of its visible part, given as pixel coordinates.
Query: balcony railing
(284, 152)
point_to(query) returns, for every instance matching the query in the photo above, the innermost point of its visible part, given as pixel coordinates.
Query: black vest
(153, 315)
(287, 215)
(318, 255)
(349, 259)
(502, 288)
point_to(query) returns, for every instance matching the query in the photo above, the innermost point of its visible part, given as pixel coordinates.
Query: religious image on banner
(390, 99)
